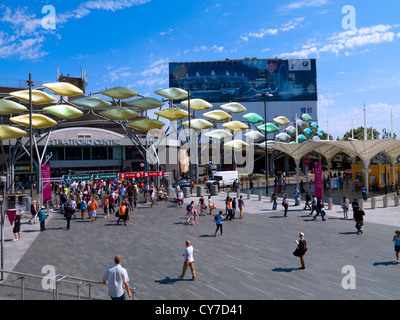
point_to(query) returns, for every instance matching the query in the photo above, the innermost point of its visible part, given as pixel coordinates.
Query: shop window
(73, 153)
(99, 153)
(86, 153)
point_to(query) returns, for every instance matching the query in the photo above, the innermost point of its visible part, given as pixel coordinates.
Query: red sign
(306, 161)
(135, 175)
(11, 215)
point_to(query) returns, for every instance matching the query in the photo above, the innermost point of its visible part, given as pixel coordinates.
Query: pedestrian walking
(34, 212)
(160, 196)
(364, 193)
(308, 199)
(320, 210)
(314, 204)
(345, 205)
(274, 198)
(218, 221)
(42, 218)
(230, 209)
(359, 219)
(241, 205)
(17, 227)
(117, 279)
(180, 198)
(152, 197)
(189, 213)
(355, 206)
(106, 208)
(233, 208)
(188, 261)
(92, 208)
(123, 213)
(285, 203)
(396, 240)
(301, 250)
(211, 204)
(202, 205)
(195, 216)
(83, 208)
(296, 197)
(68, 212)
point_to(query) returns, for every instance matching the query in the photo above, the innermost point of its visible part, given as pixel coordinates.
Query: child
(42, 218)
(195, 215)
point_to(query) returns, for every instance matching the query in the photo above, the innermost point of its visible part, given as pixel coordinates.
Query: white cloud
(119, 73)
(163, 33)
(28, 35)
(292, 24)
(347, 40)
(303, 3)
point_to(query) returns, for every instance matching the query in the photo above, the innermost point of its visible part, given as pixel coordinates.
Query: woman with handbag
(301, 250)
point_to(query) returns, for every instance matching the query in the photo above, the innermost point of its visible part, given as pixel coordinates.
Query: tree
(358, 134)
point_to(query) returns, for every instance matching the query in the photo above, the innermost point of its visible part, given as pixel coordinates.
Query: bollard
(396, 200)
(186, 192)
(200, 191)
(329, 203)
(373, 203)
(248, 194)
(214, 190)
(237, 193)
(385, 201)
(361, 202)
(259, 195)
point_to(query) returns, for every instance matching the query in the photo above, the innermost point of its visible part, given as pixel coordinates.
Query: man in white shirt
(118, 281)
(188, 261)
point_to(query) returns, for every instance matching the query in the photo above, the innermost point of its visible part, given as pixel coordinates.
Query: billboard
(247, 80)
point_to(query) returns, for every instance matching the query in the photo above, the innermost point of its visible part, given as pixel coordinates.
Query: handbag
(297, 252)
(214, 206)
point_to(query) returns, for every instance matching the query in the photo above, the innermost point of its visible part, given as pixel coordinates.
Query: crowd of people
(86, 198)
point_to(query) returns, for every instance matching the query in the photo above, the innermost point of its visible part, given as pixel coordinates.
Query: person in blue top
(218, 220)
(396, 240)
(42, 218)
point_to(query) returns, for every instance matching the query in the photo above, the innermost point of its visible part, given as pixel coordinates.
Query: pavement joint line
(294, 288)
(215, 289)
(234, 257)
(381, 295)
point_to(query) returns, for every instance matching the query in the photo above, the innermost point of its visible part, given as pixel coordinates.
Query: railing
(58, 280)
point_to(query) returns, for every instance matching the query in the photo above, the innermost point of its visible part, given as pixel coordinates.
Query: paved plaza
(252, 261)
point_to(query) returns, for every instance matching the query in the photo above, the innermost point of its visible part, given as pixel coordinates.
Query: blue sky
(130, 42)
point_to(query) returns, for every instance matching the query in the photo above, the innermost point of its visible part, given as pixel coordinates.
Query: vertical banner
(318, 180)
(46, 182)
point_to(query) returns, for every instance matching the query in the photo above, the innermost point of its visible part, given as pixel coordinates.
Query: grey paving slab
(252, 261)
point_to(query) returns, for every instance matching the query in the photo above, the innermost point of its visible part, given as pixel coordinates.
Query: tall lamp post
(265, 95)
(190, 137)
(30, 136)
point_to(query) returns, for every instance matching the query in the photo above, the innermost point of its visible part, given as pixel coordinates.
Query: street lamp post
(190, 137)
(30, 136)
(267, 94)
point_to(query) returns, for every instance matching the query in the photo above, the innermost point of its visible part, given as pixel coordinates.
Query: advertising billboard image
(247, 80)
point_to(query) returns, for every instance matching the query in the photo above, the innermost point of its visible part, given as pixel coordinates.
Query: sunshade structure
(364, 149)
